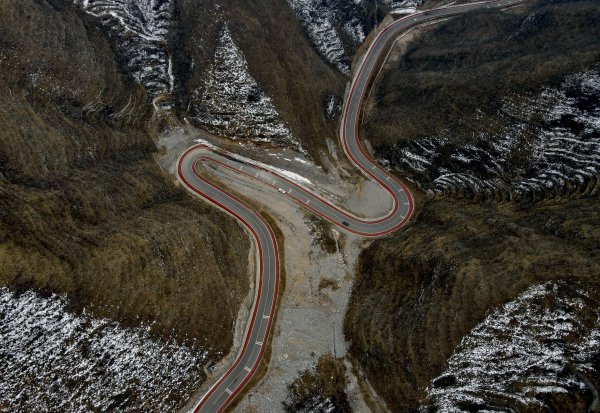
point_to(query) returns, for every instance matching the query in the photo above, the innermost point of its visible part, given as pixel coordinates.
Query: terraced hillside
(496, 117)
(85, 211)
(495, 105)
(141, 33)
(231, 103)
(282, 87)
(548, 361)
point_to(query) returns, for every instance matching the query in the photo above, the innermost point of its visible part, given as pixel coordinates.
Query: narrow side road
(259, 325)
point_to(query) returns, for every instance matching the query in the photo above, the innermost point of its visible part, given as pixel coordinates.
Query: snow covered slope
(331, 26)
(530, 355)
(547, 143)
(140, 29)
(337, 27)
(405, 6)
(231, 103)
(56, 361)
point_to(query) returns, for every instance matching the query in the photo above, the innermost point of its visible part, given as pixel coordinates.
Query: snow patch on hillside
(541, 345)
(140, 29)
(326, 24)
(404, 6)
(283, 172)
(231, 103)
(57, 361)
(547, 143)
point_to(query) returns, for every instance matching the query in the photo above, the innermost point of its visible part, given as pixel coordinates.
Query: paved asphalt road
(246, 363)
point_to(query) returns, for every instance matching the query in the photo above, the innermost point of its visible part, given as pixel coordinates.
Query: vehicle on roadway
(258, 329)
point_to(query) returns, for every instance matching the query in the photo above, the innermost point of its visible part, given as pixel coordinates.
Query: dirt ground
(310, 320)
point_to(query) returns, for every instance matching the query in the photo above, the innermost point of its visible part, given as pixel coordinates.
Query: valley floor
(319, 263)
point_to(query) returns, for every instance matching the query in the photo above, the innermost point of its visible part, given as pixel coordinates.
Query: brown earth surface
(85, 210)
(420, 291)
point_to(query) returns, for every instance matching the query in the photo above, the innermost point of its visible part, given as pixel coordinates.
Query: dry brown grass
(419, 292)
(279, 56)
(452, 78)
(327, 282)
(326, 381)
(84, 209)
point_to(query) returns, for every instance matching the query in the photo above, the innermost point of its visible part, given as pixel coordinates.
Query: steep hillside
(231, 103)
(232, 68)
(141, 32)
(84, 208)
(54, 360)
(283, 85)
(419, 292)
(549, 361)
(496, 117)
(494, 104)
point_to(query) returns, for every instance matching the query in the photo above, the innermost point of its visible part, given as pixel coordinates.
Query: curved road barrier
(259, 325)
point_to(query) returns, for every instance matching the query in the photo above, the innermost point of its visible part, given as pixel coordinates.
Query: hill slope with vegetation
(442, 108)
(85, 210)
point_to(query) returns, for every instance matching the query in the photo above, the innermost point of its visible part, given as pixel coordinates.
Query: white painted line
(388, 178)
(307, 201)
(259, 343)
(228, 391)
(247, 369)
(265, 316)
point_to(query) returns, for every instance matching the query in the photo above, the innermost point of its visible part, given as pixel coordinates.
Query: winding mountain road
(259, 325)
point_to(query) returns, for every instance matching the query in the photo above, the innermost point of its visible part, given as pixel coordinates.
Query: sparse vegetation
(280, 57)
(84, 209)
(320, 390)
(452, 79)
(330, 283)
(419, 292)
(321, 232)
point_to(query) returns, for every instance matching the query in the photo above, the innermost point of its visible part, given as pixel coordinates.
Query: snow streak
(140, 29)
(527, 158)
(232, 103)
(327, 23)
(539, 346)
(56, 361)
